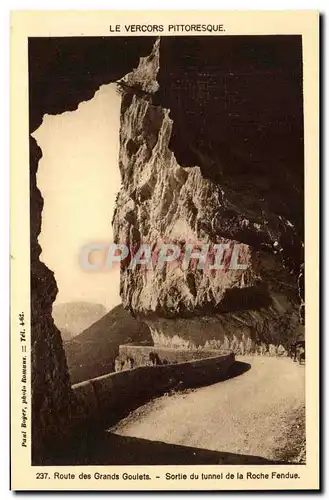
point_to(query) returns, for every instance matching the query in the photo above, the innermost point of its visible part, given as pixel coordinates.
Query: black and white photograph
(168, 320)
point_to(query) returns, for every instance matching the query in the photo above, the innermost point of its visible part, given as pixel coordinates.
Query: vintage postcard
(164, 250)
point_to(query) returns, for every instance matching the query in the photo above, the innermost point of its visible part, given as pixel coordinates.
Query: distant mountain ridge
(92, 353)
(66, 334)
(72, 318)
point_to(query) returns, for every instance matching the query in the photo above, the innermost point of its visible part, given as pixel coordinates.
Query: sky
(79, 178)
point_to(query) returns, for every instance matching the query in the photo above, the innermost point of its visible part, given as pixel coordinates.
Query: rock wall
(193, 168)
(62, 73)
(183, 183)
(51, 387)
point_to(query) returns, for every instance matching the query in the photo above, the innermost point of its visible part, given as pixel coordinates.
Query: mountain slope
(66, 334)
(75, 317)
(92, 353)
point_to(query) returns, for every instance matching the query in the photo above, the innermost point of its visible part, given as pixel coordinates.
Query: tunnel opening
(73, 77)
(62, 73)
(79, 179)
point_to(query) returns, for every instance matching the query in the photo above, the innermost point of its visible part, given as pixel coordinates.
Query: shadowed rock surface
(62, 73)
(215, 154)
(51, 387)
(192, 172)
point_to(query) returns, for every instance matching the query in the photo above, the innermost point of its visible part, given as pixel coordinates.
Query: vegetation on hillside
(92, 353)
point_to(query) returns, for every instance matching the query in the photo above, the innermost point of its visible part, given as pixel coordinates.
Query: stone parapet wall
(108, 398)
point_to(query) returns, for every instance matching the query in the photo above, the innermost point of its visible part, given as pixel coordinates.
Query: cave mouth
(56, 93)
(79, 178)
(62, 72)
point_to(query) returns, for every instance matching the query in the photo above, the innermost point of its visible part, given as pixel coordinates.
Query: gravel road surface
(258, 411)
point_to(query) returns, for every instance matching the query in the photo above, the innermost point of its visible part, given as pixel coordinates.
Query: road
(258, 411)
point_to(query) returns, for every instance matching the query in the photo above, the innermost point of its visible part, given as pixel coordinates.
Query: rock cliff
(51, 387)
(180, 188)
(211, 151)
(62, 72)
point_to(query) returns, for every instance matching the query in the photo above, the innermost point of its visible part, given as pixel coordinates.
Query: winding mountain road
(258, 411)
